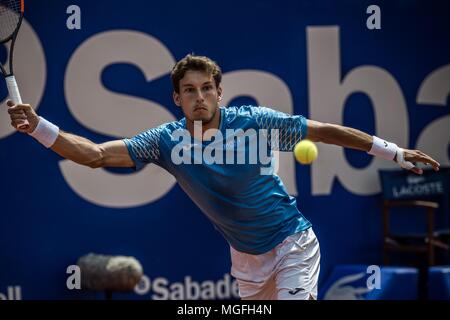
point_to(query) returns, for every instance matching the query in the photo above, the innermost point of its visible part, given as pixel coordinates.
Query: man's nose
(200, 96)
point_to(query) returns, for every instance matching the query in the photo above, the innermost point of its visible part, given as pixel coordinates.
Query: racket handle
(14, 94)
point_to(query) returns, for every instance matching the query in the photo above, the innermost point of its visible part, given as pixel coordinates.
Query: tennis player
(275, 253)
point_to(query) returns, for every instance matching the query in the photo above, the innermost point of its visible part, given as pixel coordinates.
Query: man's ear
(219, 91)
(176, 98)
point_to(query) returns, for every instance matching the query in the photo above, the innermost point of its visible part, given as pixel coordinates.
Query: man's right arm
(85, 152)
(73, 147)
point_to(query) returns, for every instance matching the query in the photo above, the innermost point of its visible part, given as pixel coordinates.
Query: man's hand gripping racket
(11, 14)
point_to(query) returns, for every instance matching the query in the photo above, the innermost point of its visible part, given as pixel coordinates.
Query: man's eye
(188, 90)
(207, 88)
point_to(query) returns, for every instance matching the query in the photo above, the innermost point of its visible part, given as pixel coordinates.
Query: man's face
(199, 97)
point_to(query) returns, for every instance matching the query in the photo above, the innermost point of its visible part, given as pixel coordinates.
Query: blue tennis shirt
(231, 178)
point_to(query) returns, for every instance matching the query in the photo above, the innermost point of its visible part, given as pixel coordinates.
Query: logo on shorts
(295, 291)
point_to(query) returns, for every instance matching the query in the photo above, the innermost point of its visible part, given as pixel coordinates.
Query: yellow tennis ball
(305, 151)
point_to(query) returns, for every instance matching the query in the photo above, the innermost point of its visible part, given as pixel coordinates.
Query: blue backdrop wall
(110, 79)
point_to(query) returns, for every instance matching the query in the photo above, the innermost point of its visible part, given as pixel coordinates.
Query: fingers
(417, 170)
(422, 157)
(13, 108)
(20, 111)
(419, 156)
(16, 123)
(18, 116)
(428, 160)
(21, 115)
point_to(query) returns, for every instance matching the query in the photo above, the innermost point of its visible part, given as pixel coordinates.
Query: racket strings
(10, 12)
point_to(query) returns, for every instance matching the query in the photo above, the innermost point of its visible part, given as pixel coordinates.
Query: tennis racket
(11, 14)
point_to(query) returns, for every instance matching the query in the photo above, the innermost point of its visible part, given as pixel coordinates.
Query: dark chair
(404, 193)
(417, 243)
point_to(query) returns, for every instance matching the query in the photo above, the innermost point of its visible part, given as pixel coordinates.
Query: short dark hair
(195, 63)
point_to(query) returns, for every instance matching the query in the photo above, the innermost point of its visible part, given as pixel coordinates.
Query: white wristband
(45, 132)
(383, 149)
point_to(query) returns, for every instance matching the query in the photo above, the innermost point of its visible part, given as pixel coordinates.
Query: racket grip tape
(14, 95)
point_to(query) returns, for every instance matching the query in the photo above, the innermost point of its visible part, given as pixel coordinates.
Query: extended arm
(339, 135)
(352, 138)
(85, 152)
(73, 147)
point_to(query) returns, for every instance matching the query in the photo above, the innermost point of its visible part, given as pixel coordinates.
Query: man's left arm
(355, 139)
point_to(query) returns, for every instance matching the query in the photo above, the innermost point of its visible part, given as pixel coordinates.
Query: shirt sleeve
(144, 147)
(284, 131)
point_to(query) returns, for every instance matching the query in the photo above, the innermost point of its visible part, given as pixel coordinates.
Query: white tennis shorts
(289, 271)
